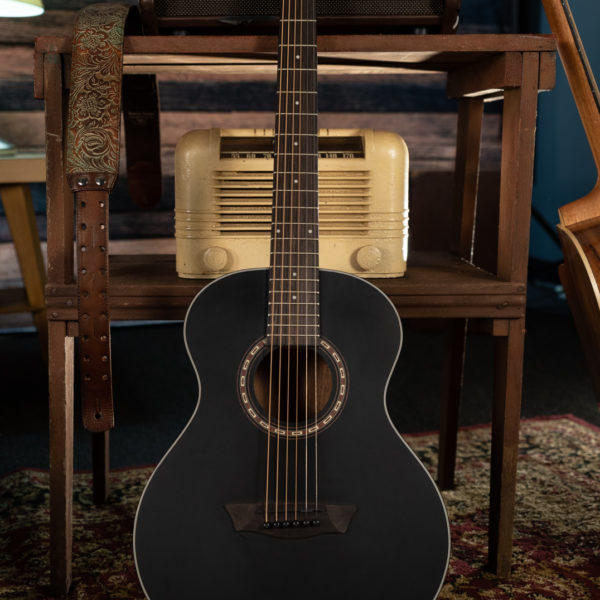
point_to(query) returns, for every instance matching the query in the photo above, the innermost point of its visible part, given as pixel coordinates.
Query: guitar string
(274, 226)
(283, 240)
(299, 220)
(315, 260)
(292, 173)
(308, 150)
(296, 171)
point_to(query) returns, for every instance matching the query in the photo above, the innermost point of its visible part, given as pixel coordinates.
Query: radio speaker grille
(214, 8)
(243, 202)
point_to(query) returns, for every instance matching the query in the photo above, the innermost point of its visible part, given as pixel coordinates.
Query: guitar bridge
(293, 524)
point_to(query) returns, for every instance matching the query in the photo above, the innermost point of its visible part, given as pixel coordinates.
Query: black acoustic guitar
(290, 480)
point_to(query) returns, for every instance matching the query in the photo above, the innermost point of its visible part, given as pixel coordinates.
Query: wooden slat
(16, 62)
(469, 47)
(148, 287)
(430, 136)
(202, 94)
(24, 31)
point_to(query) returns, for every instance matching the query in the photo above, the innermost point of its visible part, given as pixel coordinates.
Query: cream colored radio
(223, 196)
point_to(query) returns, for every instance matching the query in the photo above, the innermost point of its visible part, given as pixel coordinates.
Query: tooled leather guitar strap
(92, 168)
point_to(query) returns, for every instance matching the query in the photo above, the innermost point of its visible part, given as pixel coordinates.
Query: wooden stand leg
(452, 388)
(466, 180)
(505, 445)
(61, 455)
(100, 462)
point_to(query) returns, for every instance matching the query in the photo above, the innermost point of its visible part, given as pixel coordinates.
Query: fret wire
(308, 315)
(301, 238)
(315, 253)
(294, 292)
(307, 223)
(313, 154)
(295, 325)
(297, 335)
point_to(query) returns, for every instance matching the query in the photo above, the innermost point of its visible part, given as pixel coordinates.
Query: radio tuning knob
(368, 257)
(214, 258)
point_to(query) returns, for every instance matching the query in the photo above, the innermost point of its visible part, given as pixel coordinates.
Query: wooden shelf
(435, 285)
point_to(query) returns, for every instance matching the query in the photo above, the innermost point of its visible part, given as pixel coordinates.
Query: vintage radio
(223, 199)
(243, 16)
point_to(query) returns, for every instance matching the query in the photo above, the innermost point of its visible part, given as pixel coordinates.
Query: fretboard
(294, 266)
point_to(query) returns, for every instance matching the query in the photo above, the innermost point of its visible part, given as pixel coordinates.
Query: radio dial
(368, 257)
(215, 258)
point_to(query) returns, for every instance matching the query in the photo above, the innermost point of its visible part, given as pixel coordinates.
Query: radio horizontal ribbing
(241, 205)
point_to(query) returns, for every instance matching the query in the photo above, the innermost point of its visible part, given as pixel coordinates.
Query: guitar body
(579, 228)
(580, 276)
(397, 541)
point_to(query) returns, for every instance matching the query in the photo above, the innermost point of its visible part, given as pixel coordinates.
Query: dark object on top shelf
(244, 16)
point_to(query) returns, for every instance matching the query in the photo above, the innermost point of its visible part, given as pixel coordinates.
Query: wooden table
(16, 173)
(480, 67)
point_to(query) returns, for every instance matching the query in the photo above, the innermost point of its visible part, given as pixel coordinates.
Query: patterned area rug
(557, 524)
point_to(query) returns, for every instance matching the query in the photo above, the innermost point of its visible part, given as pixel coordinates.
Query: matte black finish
(397, 544)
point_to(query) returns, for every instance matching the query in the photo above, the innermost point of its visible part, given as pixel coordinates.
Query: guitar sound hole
(292, 391)
(289, 374)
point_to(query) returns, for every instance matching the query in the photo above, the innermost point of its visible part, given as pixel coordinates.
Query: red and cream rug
(556, 537)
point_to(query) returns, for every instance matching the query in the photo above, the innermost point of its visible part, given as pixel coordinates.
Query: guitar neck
(587, 98)
(294, 298)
